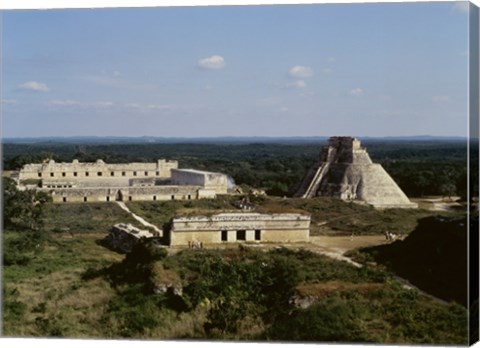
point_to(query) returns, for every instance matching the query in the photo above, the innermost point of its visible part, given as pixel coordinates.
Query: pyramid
(345, 170)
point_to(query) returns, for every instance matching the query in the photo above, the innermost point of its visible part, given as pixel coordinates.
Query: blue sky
(299, 70)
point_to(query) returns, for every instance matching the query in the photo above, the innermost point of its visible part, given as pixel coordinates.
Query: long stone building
(238, 228)
(103, 182)
(345, 170)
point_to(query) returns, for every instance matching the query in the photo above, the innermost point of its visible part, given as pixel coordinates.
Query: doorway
(119, 197)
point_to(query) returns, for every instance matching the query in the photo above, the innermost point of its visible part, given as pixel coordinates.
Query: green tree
(448, 189)
(22, 209)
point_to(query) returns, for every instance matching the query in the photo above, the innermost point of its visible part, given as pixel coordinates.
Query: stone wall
(240, 228)
(209, 180)
(126, 194)
(98, 171)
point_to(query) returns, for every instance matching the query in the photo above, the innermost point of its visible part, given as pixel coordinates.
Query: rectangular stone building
(106, 182)
(96, 173)
(239, 228)
(208, 180)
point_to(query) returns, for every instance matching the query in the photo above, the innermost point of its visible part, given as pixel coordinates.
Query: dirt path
(336, 246)
(139, 219)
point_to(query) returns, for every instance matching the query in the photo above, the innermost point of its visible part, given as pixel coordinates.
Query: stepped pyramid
(345, 170)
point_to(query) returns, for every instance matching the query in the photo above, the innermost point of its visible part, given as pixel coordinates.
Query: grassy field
(48, 297)
(330, 216)
(76, 288)
(69, 285)
(84, 218)
(44, 292)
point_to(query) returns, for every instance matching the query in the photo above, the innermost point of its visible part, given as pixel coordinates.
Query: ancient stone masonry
(239, 228)
(345, 170)
(123, 237)
(103, 182)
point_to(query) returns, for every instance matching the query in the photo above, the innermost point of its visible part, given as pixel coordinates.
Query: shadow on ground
(433, 257)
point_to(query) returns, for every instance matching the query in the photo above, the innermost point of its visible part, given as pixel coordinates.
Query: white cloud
(356, 92)
(102, 104)
(82, 104)
(327, 71)
(297, 84)
(441, 99)
(57, 102)
(149, 107)
(299, 71)
(34, 86)
(133, 105)
(214, 62)
(332, 59)
(160, 107)
(116, 73)
(283, 109)
(109, 105)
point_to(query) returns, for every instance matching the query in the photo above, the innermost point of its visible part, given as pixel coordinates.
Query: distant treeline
(422, 167)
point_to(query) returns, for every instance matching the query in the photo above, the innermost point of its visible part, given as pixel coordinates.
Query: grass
(330, 216)
(64, 288)
(48, 284)
(55, 298)
(159, 213)
(52, 296)
(84, 218)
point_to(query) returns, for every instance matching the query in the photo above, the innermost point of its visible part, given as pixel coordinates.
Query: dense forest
(420, 167)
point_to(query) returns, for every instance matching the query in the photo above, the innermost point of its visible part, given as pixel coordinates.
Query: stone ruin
(104, 182)
(123, 237)
(345, 170)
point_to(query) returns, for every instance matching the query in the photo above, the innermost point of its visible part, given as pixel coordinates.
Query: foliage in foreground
(246, 294)
(69, 286)
(231, 294)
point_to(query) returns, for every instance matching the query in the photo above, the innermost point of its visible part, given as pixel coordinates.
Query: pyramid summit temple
(345, 170)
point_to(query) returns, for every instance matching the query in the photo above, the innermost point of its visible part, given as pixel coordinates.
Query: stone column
(232, 236)
(250, 235)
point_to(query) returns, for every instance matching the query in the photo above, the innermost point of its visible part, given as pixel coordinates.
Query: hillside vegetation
(59, 281)
(76, 288)
(66, 284)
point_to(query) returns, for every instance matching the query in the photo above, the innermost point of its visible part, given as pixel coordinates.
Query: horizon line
(232, 136)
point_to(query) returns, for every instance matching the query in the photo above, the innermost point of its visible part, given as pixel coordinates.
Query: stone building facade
(239, 228)
(209, 181)
(104, 182)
